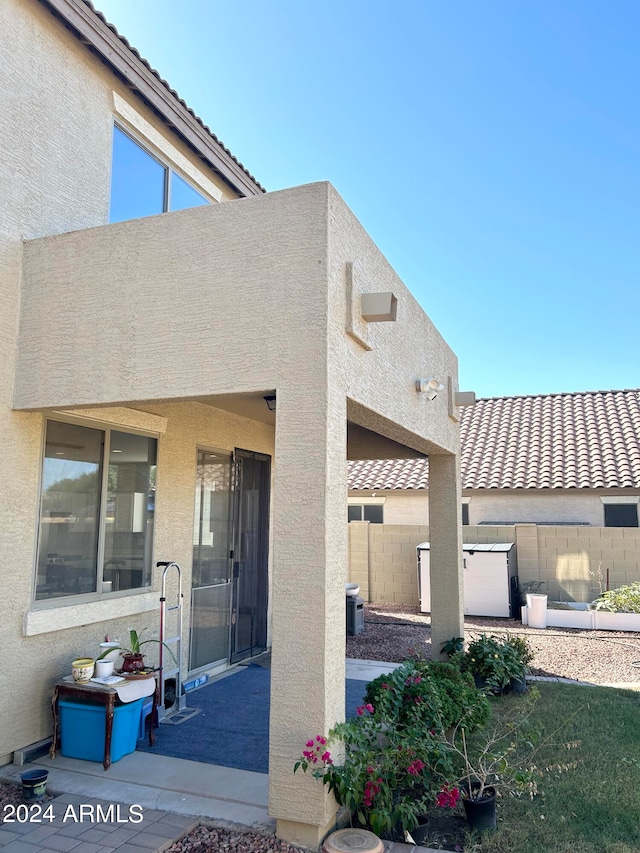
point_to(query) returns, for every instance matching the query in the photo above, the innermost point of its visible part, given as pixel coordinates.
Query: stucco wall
(382, 380)
(567, 506)
(251, 312)
(400, 507)
(272, 271)
(567, 560)
(55, 134)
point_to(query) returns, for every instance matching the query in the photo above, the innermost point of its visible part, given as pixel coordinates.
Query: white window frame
(157, 146)
(366, 502)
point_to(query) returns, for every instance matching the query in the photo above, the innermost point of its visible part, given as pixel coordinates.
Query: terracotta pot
(132, 663)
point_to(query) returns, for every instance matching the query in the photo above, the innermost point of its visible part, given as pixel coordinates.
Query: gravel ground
(394, 632)
(210, 839)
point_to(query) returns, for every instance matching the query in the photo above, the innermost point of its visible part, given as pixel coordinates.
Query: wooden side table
(98, 694)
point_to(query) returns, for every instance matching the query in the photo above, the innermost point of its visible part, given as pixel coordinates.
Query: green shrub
(522, 648)
(624, 599)
(433, 694)
(496, 660)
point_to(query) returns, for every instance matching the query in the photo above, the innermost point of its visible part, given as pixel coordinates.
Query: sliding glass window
(97, 510)
(142, 184)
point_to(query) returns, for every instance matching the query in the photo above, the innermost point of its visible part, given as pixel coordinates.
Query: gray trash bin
(355, 615)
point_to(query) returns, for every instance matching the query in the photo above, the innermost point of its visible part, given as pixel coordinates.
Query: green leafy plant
(453, 646)
(624, 599)
(496, 660)
(434, 694)
(385, 774)
(135, 645)
(522, 648)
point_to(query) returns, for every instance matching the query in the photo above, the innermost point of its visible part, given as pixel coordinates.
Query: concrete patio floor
(171, 785)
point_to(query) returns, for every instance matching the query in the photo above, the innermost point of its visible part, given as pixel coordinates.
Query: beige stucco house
(153, 295)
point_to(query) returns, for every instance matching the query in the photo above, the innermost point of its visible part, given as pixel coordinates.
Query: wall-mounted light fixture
(430, 387)
(270, 400)
(378, 307)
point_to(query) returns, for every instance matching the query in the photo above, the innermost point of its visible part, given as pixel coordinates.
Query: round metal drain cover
(352, 841)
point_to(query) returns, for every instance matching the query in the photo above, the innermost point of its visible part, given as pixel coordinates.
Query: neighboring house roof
(584, 440)
(389, 474)
(93, 30)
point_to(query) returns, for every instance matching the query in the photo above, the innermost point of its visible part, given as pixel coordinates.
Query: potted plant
(493, 662)
(486, 760)
(501, 758)
(523, 655)
(387, 775)
(132, 656)
(394, 755)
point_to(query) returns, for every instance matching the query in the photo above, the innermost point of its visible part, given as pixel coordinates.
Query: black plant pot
(420, 832)
(518, 685)
(34, 785)
(481, 683)
(481, 814)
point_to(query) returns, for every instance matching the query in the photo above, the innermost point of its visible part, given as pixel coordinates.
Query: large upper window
(142, 185)
(97, 511)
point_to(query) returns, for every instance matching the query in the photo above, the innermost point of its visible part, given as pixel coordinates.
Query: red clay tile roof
(586, 440)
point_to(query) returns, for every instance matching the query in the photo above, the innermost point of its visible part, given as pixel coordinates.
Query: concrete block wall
(572, 563)
(393, 574)
(576, 563)
(359, 556)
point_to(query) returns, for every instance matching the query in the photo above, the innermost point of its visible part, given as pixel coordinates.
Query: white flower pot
(104, 667)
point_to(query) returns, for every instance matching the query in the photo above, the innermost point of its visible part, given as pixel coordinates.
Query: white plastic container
(537, 610)
(113, 655)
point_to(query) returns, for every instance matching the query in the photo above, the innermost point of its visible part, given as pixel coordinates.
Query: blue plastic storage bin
(82, 729)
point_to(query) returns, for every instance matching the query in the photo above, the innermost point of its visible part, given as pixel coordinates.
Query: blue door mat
(230, 726)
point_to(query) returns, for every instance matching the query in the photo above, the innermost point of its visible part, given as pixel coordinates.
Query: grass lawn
(594, 808)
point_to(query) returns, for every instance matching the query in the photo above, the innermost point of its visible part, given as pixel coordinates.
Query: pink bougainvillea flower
(309, 743)
(447, 798)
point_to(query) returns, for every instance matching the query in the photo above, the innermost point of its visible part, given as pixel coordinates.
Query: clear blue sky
(491, 148)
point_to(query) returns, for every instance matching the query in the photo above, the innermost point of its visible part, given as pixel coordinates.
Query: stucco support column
(445, 534)
(308, 602)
